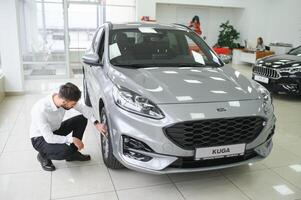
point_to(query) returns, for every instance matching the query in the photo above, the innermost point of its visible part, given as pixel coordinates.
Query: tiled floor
(21, 177)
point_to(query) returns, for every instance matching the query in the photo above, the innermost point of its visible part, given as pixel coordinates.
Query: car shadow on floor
(284, 97)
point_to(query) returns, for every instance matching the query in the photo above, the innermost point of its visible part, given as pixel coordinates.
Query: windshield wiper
(191, 65)
(135, 65)
(198, 65)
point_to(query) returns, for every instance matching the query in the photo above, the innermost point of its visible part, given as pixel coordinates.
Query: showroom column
(10, 47)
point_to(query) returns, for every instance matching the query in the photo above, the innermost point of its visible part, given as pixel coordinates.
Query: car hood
(164, 85)
(280, 61)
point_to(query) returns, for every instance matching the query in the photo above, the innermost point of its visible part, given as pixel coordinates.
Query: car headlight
(265, 95)
(291, 70)
(135, 103)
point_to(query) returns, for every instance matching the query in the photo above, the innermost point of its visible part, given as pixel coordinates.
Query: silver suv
(170, 103)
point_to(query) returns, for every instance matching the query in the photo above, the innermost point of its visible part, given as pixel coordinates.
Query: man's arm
(88, 113)
(85, 110)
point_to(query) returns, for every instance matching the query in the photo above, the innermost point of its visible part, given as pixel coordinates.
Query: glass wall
(85, 16)
(55, 33)
(83, 20)
(43, 38)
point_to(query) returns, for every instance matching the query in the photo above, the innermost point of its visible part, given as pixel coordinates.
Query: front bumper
(284, 85)
(167, 157)
(188, 164)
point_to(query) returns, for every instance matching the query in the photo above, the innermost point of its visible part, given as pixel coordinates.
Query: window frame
(96, 39)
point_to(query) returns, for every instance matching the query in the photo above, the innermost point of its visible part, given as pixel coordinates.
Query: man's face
(67, 105)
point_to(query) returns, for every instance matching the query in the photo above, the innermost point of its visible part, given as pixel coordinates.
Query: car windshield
(147, 47)
(296, 51)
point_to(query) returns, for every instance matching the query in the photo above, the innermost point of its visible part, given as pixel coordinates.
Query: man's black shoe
(77, 156)
(45, 163)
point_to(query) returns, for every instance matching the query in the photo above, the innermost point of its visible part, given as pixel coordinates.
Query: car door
(94, 73)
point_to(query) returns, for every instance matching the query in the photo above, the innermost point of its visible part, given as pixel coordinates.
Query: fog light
(133, 148)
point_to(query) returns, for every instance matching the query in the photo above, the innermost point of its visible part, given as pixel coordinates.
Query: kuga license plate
(220, 151)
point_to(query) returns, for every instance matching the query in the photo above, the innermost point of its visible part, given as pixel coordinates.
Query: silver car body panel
(170, 85)
(181, 97)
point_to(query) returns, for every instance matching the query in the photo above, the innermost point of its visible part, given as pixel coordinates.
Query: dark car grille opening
(265, 71)
(215, 132)
(189, 162)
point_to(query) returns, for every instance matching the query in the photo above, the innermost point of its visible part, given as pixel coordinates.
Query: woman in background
(260, 46)
(195, 25)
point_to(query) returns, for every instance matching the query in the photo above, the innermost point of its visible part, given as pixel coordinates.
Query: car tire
(86, 94)
(106, 146)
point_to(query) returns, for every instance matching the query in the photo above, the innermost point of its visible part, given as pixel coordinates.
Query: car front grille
(215, 132)
(267, 72)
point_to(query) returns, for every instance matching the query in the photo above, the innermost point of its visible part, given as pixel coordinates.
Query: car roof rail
(182, 25)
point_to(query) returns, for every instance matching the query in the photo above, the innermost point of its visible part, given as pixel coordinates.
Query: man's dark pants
(76, 125)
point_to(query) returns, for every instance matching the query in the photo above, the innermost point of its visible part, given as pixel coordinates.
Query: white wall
(274, 20)
(148, 7)
(10, 46)
(2, 93)
(284, 23)
(210, 17)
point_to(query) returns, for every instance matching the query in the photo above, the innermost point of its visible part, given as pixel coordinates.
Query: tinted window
(160, 47)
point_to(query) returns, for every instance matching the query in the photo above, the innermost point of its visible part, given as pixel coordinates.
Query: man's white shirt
(47, 118)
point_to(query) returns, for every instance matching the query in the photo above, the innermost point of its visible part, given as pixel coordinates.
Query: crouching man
(50, 135)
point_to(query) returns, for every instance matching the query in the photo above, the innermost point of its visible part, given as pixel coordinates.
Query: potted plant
(227, 36)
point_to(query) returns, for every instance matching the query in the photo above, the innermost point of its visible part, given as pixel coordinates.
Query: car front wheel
(106, 146)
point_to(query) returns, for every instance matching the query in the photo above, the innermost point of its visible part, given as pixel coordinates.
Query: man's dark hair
(69, 92)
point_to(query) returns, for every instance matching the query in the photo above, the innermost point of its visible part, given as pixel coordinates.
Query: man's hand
(101, 128)
(78, 143)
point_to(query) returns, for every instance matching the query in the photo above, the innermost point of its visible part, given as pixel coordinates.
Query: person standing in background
(195, 25)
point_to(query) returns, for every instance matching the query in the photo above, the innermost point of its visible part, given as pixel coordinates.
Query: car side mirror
(91, 59)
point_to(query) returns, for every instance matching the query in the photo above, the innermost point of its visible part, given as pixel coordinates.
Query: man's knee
(80, 124)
